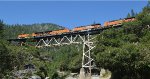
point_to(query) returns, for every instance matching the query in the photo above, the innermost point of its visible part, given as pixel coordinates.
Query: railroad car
(23, 36)
(39, 33)
(118, 22)
(61, 31)
(82, 28)
(113, 23)
(129, 19)
(36, 34)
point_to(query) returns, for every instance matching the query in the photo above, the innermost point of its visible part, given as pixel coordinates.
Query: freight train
(77, 29)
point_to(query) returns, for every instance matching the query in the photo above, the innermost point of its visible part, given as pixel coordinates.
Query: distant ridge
(11, 31)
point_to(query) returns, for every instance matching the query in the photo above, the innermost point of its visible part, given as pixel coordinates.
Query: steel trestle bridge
(84, 37)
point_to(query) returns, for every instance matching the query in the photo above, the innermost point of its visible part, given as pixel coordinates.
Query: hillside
(11, 31)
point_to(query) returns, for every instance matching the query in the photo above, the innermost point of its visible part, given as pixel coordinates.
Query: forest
(124, 51)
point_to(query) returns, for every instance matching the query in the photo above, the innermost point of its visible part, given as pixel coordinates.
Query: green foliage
(126, 51)
(6, 60)
(61, 59)
(144, 15)
(123, 53)
(146, 20)
(133, 27)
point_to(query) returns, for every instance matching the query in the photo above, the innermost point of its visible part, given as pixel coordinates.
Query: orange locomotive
(82, 28)
(129, 19)
(23, 36)
(113, 23)
(118, 22)
(61, 31)
(36, 34)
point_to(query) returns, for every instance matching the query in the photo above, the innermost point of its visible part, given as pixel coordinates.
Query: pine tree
(148, 5)
(132, 13)
(128, 16)
(1, 25)
(1, 28)
(136, 14)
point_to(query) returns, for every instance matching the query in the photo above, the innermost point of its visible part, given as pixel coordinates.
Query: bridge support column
(86, 58)
(82, 74)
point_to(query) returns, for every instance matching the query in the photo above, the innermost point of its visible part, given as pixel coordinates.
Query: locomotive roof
(38, 32)
(115, 20)
(48, 31)
(121, 19)
(129, 18)
(88, 25)
(22, 33)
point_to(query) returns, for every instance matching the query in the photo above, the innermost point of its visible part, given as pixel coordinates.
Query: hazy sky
(66, 13)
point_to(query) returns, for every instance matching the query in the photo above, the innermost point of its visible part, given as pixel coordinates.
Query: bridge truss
(85, 40)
